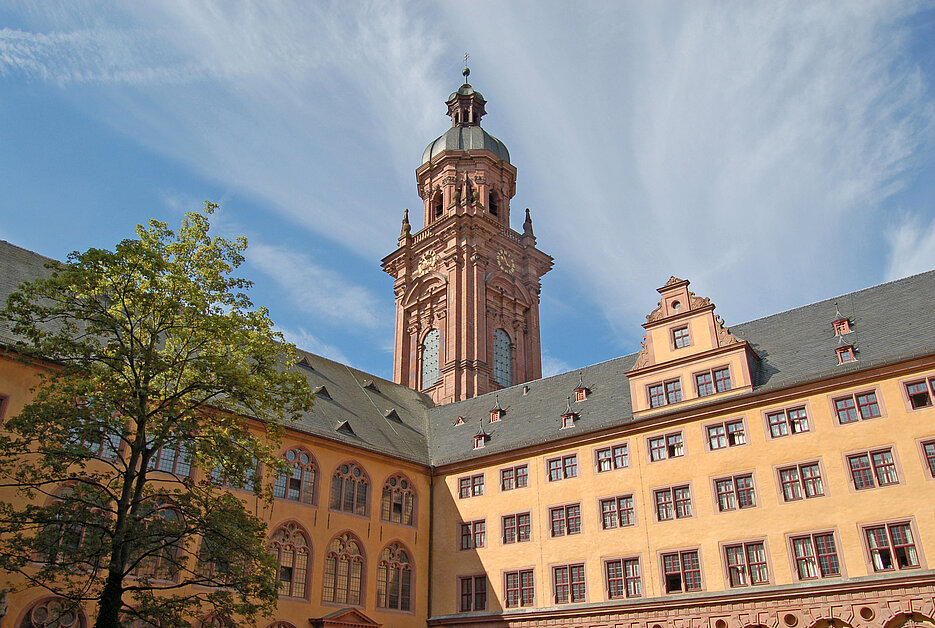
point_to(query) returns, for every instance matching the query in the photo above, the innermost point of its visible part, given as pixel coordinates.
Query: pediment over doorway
(344, 618)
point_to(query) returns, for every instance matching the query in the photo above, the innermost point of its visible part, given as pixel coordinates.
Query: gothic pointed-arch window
(492, 206)
(430, 362)
(398, 504)
(53, 613)
(394, 578)
(502, 358)
(161, 553)
(290, 545)
(349, 488)
(299, 483)
(344, 568)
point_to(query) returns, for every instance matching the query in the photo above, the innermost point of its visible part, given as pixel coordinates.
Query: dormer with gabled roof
(687, 354)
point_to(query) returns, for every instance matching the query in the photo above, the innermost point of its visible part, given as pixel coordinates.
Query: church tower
(466, 284)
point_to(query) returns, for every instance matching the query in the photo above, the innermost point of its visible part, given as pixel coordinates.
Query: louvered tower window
(502, 358)
(430, 370)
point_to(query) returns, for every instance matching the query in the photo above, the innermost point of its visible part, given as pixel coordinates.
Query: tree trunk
(108, 615)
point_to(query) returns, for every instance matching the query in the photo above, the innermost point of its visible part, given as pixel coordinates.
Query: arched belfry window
(430, 363)
(398, 501)
(438, 204)
(349, 486)
(344, 567)
(492, 206)
(502, 358)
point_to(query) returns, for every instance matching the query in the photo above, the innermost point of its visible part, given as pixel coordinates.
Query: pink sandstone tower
(467, 285)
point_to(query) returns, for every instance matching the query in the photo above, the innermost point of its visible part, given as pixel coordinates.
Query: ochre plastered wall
(321, 523)
(842, 509)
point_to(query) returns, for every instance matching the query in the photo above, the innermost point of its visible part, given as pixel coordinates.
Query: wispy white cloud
(317, 290)
(306, 341)
(911, 246)
(553, 366)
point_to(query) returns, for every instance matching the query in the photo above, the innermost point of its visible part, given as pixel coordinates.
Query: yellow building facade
(776, 473)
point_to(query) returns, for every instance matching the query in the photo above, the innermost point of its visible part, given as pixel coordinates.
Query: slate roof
(891, 323)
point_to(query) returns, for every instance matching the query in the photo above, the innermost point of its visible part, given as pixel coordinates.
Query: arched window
(290, 546)
(492, 206)
(394, 578)
(430, 369)
(212, 566)
(502, 358)
(344, 567)
(299, 484)
(163, 554)
(398, 504)
(54, 613)
(438, 204)
(349, 487)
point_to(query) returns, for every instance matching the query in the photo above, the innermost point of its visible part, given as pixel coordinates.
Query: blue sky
(773, 153)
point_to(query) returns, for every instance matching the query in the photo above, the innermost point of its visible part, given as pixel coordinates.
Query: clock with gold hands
(505, 261)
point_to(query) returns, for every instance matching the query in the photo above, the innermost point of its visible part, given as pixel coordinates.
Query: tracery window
(430, 358)
(394, 578)
(502, 358)
(349, 487)
(298, 484)
(53, 613)
(398, 503)
(163, 553)
(209, 564)
(344, 566)
(290, 545)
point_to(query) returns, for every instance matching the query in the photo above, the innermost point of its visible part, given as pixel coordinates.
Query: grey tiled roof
(891, 322)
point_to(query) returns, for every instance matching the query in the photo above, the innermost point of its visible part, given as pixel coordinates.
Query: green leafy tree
(152, 362)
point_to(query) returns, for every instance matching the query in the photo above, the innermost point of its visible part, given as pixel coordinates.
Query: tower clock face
(505, 261)
(426, 262)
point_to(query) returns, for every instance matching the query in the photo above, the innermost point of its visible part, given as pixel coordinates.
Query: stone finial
(527, 225)
(406, 230)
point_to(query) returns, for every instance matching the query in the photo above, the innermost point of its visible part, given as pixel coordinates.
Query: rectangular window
(680, 337)
(681, 571)
(856, 407)
(801, 480)
(473, 534)
(746, 564)
(568, 581)
(472, 486)
(722, 379)
(673, 503)
(816, 556)
(520, 588)
(514, 477)
(673, 391)
(174, 459)
(623, 578)
(617, 512)
(562, 468)
(873, 465)
(657, 396)
(727, 434)
(565, 519)
(668, 446)
(713, 381)
(473, 593)
(610, 458)
(516, 527)
(665, 393)
(735, 492)
(928, 449)
(891, 546)
(920, 393)
(787, 421)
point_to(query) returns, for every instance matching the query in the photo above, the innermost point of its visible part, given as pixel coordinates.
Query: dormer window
(842, 326)
(581, 394)
(568, 420)
(479, 441)
(680, 337)
(495, 415)
(846, 354)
